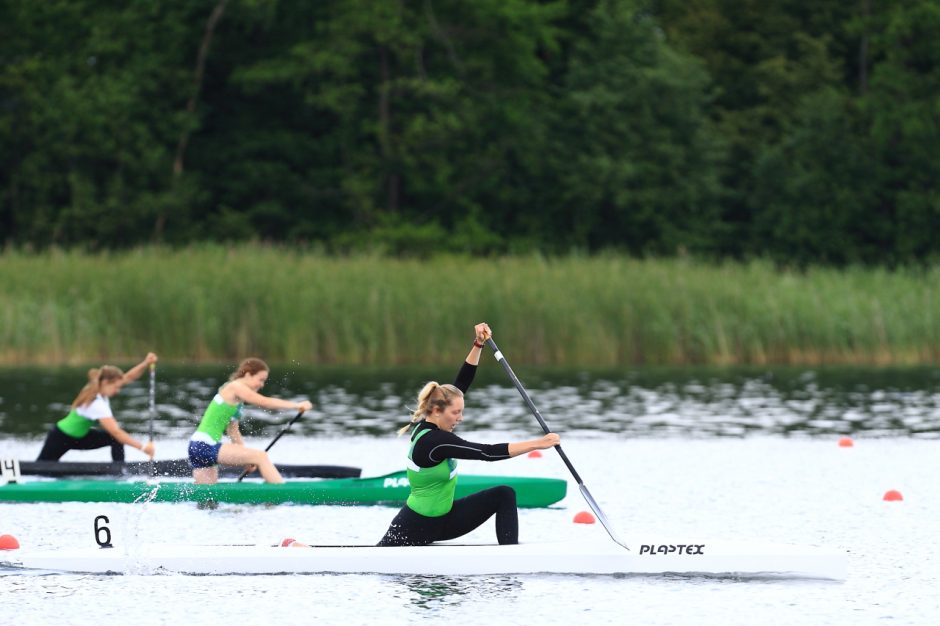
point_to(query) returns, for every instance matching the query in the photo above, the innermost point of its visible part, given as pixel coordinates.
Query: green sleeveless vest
(432, 488)
(217, 417)
(74, 425)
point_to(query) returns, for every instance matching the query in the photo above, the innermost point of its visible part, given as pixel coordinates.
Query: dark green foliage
(638, 166)
(804, 132)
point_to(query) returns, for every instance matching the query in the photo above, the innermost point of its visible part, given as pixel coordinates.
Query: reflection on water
(436, 592)
(38, 583)
(659, 402)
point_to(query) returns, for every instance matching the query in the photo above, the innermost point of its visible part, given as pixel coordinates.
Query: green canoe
(389, 489)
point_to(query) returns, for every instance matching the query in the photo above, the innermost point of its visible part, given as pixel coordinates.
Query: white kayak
(604, 558)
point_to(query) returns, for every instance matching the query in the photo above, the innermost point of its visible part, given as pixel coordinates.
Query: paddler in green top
(431, 513)
(206, 450)
(91, 408)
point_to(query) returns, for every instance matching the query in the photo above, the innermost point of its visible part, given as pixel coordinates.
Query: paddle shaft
(153, 407)
(532, 407)
(274, 441)
(564, 457)
(153, 396)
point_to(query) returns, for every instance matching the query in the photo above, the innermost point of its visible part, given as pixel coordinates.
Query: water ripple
(691, 402)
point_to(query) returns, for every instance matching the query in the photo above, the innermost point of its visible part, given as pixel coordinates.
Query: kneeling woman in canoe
(431, 513)
(206, 449)
(91, 407)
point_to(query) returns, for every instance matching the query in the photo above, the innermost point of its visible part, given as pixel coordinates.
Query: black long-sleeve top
(438, 445)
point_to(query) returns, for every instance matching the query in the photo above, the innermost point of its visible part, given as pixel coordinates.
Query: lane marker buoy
(584, 518)
(892, 495)
(8, 542)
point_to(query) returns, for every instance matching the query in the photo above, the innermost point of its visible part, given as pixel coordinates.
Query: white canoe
(744, 560)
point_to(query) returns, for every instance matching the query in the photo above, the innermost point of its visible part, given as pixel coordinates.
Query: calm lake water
(745, 455)
(685, 403)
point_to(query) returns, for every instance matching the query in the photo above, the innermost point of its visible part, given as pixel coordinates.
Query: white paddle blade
(600, 515)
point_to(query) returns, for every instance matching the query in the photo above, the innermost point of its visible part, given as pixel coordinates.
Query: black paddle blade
(600, 515)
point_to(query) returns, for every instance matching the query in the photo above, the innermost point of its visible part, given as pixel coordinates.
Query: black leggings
(58, 443)
(413, 529)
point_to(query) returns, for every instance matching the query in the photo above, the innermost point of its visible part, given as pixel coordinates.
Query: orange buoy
(8, 542)
(892, 495)
(535, 454)
(583, 518)
(846, 442)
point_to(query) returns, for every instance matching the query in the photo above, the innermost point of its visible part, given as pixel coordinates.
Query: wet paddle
(584, 490)
(153, 409)
(274, 441)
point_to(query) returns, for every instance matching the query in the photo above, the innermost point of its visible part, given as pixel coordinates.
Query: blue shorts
(202, 454)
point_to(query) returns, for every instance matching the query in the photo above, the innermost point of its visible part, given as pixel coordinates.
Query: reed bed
(213, 303)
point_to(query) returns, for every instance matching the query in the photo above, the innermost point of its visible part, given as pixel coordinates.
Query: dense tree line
(807, 132)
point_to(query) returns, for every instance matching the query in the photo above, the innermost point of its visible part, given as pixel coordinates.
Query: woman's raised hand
(483, 332)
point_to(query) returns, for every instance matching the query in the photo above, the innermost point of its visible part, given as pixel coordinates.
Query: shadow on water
(434, 592)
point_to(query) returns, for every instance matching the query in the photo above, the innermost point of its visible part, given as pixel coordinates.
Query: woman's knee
(506, 494)
(259, 457)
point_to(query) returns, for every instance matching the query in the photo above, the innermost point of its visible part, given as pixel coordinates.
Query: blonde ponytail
(96, 376)
(432, 395)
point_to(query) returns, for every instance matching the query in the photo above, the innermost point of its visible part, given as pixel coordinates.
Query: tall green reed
(215, 303)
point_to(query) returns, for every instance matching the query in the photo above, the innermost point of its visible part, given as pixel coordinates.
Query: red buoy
(892, 495)
(8, 542)
(846, 442)
(583, 518)
(535, 454)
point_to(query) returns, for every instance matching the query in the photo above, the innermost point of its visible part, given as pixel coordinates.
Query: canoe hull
(601, 558)
(170, 468)
(390, 489)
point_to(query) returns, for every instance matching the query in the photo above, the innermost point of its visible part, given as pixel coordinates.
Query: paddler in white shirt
(91, 409)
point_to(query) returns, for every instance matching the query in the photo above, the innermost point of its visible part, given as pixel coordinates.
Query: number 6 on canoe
(584, 490)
